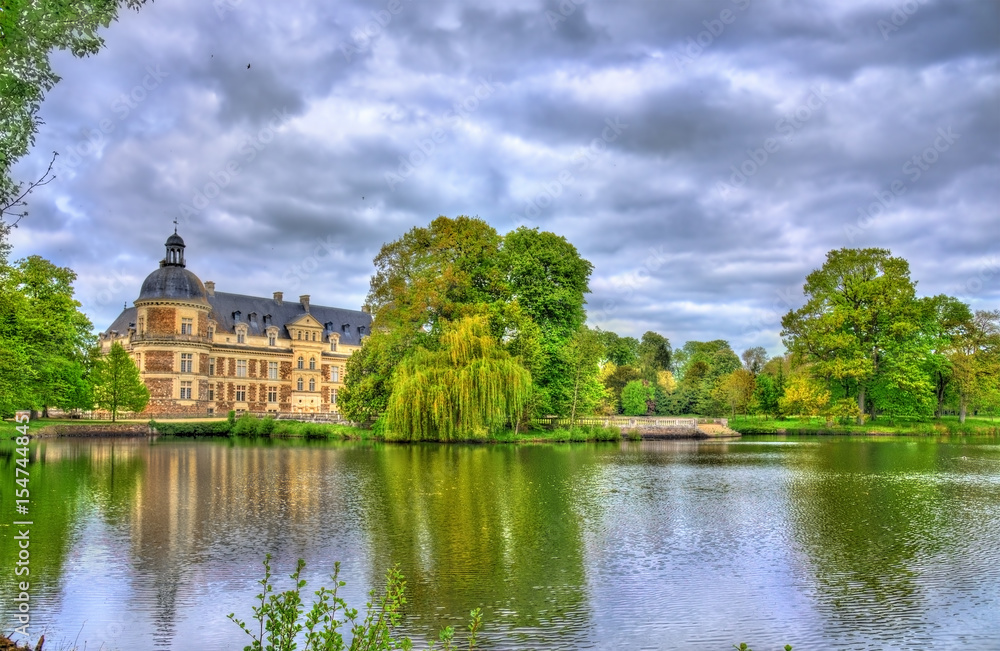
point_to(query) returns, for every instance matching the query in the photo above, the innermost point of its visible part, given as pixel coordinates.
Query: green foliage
(248, 425)
(45, 340)
(466, 389)
(210, 428)
(861, 311)
(654, 355)
(637, 398)
(117, 383)
(282, 616)
(620, 351)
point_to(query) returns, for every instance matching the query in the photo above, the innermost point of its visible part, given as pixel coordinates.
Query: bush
(280, 619)
(216, 428)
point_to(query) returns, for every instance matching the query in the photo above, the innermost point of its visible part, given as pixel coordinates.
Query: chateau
(203, 352)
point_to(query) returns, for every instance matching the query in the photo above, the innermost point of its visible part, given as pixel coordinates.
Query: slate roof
(225, 305)
(173, 281)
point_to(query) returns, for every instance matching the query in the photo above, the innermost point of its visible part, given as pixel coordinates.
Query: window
(301, 362)
(241, 337)
(142, 325)
(333, 396)
(298, 384)
(299, 334)
(187, 326)
(211, 366)
(272, 340)
(335, 374)
(312, 384)
(211, 333)
(138, 361)
(241, 368)
(272, 370)
(312, 363)
(211, 392)
(314, 336)
(272, 394)
(187, 363)
(185, 390)
(241, 393)
(333, 345)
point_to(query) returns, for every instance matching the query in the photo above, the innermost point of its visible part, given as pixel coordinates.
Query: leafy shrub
(280, 617)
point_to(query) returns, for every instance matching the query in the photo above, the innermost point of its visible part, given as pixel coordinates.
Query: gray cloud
(751, 138)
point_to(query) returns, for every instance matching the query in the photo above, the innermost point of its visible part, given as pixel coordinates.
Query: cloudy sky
(704, 156)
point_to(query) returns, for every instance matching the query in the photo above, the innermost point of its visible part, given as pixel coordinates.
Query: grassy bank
(8, 428)
(948, 425)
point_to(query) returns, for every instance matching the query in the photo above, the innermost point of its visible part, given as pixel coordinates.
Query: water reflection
(816, 542)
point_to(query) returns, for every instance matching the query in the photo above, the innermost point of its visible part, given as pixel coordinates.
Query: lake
(818, 542)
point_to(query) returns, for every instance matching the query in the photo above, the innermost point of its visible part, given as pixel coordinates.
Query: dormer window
(272, 340)
(236, 316)
(241, 334)
(334, 339)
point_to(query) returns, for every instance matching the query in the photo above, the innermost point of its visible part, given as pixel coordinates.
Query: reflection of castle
(202, 351)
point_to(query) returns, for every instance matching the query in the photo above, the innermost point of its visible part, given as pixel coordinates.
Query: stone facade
(201, 352)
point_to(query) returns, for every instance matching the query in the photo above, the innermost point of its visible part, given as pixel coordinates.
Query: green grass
(946, 425)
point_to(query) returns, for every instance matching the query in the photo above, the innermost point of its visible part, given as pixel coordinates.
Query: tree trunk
(861, 406)
(961, 410)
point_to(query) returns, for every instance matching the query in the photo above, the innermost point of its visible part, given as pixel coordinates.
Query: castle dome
(172, 281)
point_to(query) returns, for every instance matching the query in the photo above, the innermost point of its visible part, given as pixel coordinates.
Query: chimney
(277, 297)
(366, 309)
(304, 299)
(210, 287)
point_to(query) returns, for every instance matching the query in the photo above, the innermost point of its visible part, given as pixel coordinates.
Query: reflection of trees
(866, 515)
(489, 526)
(64, 477)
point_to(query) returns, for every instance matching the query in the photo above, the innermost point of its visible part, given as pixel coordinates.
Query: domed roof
(175, 240)
(175, 283)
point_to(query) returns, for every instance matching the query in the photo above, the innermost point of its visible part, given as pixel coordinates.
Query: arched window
(312, 363)
(312, 384)
(301, 362)
(298, 384)
(314, 336)
(300, 333)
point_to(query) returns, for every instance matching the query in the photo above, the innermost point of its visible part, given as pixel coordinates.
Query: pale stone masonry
(206, 352)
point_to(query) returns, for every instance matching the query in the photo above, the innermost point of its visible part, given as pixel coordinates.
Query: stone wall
(158, 361)
(161, 320)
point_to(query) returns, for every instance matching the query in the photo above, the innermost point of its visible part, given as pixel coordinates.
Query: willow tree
(466, 388)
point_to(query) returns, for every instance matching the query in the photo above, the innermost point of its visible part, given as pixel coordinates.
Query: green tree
(975, 362)
(29, 33)
(860, 311)
(547, 281)
(468, 388)
(44, 336)
(620, 351)
(637, 397)
(117, 383)
(616, 380)
(583, 353)
(754, 359)
(736, 390)
(653, 355)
